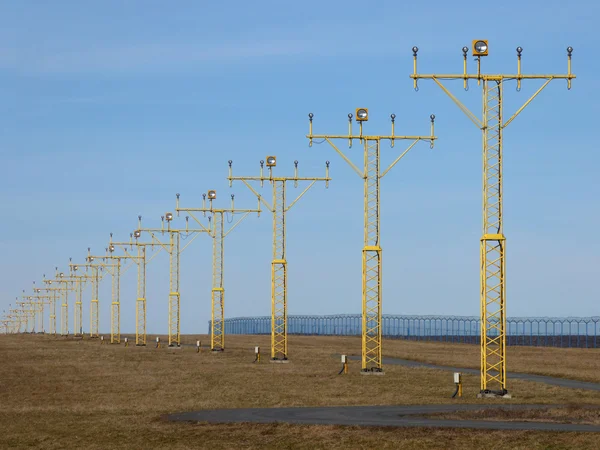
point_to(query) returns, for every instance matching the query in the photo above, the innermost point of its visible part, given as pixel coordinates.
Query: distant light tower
(218, 234)
(279, 208)
(371, 254)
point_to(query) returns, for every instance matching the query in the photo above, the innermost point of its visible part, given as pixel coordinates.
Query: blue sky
(110, 108)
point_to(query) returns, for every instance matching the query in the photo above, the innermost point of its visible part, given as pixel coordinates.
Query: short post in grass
(197, 346)
(257, 353)
(458, 383)
(345, 363)
(101, 340)
(126, 342)
(157, 342)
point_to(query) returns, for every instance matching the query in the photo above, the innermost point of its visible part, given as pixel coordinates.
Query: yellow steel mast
(371, 254)
(141, 261)
(80, 286)
(66, 284)
(41, 300)
(493, 241)
(52, 314)
(115, 271)
(97, 268)
(173, 248)
(15, 316)
(28, 312)
(279, 328)
(218, 233)
(46, 298)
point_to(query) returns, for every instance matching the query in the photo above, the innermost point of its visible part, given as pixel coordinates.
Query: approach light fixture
(137, 234)
(362, 114)
(169, 217)
(212, 195)
(271, 161)
(480, 47)
(111, 248)
(75, 268)
(61, 275)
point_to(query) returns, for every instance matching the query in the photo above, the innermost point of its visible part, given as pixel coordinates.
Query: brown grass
(66, 393)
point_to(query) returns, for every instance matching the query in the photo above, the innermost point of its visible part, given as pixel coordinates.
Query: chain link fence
(581, 332)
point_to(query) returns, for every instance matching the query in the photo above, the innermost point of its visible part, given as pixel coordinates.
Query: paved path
(395, 416)
(562, 382)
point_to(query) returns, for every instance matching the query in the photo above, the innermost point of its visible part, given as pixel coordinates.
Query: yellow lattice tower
(371, 254)
(6, 322)
(113, 265)
(52, 291)
(41, 299)
(218, 234)
(16, 317)
(94, 279)
(65, 284)
(493, 241)
(173, 248)
(98, 273)
(141, 260)
(44, 298)
(27, 312)
(80, 283)
(279, 208)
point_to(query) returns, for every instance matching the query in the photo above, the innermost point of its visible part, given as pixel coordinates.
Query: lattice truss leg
(217, 338)
(78, 312)
(115, 316)
(64, 317)
(94, 306)
(53, 314)
(371, 264)
(40, 316)
(140, 304)
(279, 345)
(493, 295)
(174, 336)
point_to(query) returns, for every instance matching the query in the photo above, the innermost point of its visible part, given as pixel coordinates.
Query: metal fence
(580, 332)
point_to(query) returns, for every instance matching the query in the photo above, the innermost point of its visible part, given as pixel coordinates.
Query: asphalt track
(398, 416)
(387, 416)
(562, 382)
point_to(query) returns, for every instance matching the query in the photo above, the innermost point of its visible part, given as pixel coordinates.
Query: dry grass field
(60, 393)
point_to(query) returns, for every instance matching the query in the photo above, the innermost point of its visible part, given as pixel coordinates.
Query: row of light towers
(492, 242)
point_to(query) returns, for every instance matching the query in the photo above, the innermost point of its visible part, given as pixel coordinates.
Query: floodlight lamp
(137, 234)
(271, 161)
(61, 275)
(91, 258)
(75, 267)
(111, 248)
(49, 281)
(362, 114)
(480, 47)
(169, 216)
(212, 194)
